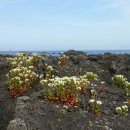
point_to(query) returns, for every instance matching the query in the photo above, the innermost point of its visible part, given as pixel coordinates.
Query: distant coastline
(59, 52)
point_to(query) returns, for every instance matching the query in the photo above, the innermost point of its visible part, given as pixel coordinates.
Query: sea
(59, 52)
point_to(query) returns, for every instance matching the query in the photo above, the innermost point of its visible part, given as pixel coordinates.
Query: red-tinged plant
(64, 90)
(63, 60)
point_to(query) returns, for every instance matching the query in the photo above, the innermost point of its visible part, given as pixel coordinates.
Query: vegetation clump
(119, 80)
(22, 76)
(65, 90)
(123, 110)
(90, 76)
(95, 107)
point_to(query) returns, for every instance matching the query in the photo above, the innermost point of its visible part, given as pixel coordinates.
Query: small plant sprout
(98, 107)
(93, 94)
(95, 107)
(123, 110)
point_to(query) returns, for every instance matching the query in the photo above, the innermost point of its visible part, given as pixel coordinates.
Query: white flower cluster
(123, 110)
(23, 59)
(63, 56)
(97, 102)
(77, 82)
(120, 77)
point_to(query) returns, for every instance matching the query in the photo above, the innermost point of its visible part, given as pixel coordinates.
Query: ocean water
(59, 52)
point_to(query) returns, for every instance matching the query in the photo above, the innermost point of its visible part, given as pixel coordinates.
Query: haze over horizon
(64, 24)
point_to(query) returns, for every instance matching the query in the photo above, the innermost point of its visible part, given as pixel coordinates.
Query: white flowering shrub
(65, 90)
(119, 80)
(22, 76)
(20, 80)
(90, 76)
(23, 59)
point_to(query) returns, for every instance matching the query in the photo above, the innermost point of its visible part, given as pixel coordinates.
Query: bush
(119, 80)
(22, 76)
(90, 76)
(65, 90)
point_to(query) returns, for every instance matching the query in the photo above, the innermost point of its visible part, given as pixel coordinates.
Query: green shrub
(22, 76)
(90, 76)
(119, 80)
(65, 90)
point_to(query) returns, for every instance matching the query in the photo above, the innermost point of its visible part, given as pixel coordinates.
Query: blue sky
(64, 24)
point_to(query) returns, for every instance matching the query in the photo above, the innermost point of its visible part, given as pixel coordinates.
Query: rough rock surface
(17, 124)
(32, 112)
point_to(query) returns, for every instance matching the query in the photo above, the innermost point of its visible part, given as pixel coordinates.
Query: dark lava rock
(33, 112)
(73, 53)
(17, 124)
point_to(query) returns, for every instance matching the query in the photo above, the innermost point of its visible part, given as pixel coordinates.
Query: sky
(64, 24)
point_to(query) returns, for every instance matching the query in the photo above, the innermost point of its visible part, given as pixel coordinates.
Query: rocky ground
(32, 112)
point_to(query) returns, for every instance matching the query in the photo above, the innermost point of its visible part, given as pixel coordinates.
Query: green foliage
(119, 80)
